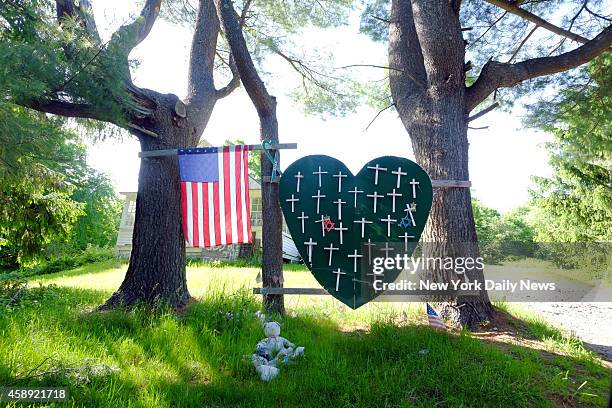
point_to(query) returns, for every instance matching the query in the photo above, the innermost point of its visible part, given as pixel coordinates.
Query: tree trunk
(156, 272)
(427, 80)
(157, 265)
(265, 104)
(272, 229)
(440, 144)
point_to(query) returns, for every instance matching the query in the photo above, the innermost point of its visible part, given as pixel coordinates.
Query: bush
(65, 261)
(593, 257)
(504, 237)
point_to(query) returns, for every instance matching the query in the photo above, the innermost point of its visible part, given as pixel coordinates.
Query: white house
(126, 229)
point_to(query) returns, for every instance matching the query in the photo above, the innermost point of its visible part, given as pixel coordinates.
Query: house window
(131, 213)
(256, 220)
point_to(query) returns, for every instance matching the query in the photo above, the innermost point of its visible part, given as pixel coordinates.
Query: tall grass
(154, 358)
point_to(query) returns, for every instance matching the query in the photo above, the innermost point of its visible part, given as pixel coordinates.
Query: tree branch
(513, 7)
(67, 109)
(263, 101)
(134, 33)
(89, 23)
(591, 12)
(502, 75)
(367, 66)
(483, 112)
(233, 83)
(569, 28)
(516, 51)
(489, 28)
(406, 63)
(306, 72)
(201, 82)
(377, 115)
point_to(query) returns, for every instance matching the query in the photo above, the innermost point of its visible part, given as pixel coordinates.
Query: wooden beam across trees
(278, 146)
(174, 152)
(290, 291)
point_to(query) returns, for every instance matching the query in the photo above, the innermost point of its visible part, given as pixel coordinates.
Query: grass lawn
(383, 354)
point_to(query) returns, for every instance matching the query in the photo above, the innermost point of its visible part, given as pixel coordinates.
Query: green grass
(369, 357)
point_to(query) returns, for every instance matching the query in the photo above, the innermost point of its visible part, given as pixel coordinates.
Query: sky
(503, 156)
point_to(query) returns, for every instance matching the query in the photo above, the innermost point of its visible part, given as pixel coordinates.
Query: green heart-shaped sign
(340, 223)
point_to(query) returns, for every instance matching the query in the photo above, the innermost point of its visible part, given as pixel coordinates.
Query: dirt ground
(591, 322)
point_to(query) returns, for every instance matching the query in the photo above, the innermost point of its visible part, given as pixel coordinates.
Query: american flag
(215, 195)
(434, 319)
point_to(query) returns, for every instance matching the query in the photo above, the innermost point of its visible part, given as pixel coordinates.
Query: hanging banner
(342, 222)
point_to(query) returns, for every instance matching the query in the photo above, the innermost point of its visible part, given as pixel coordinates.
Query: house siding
(123, 248)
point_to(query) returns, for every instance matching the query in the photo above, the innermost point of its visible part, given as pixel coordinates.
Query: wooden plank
(451, 183)
(290, 291)
(158, 153)
(434, 183)
(173, 152)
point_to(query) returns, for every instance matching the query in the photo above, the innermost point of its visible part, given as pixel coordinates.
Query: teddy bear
(272, 351)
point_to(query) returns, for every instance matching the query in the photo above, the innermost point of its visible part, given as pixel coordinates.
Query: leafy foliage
(36, 154)
(36, 208)
(44, 61)
(494, 34)
(99, 223)
(575, 205)
(272, 29)
(46, 188)
(374, 19)
(503, 237)
(61, 262)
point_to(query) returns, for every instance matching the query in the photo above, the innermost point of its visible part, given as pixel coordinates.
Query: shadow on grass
(92, 268)
(202, 358)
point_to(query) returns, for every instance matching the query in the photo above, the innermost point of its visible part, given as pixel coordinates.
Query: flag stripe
(189, 213)
(433, 318)
(232, 192)
(238, 202)
(220, 204)
(244, 188)
(216, 204)
(194, 209)
(206, 215)
(247, 199)
(200, 216)
(184, 205)
(211, 214)
(227, 200)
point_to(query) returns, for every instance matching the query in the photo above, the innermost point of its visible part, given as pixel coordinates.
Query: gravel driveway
(591, 322)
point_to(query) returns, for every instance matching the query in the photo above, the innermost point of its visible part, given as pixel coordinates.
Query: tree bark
(427, 79)
(156, 272)
(426, 57)
(440, 144)
(265, 104)
(272, 228)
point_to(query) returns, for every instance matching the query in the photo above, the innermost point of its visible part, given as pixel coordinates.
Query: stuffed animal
(272, 351)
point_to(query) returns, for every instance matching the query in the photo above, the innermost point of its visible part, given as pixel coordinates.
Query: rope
(265, 145)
